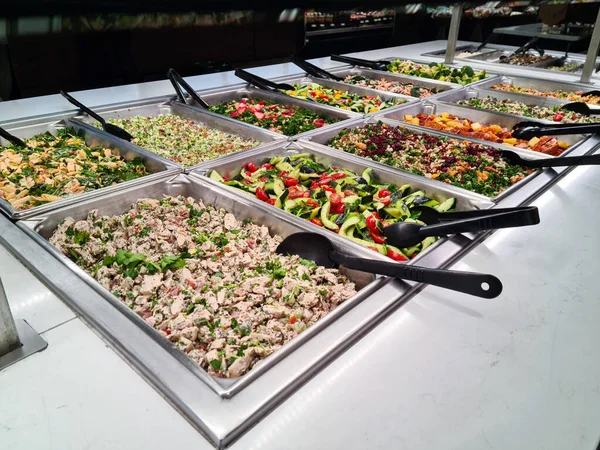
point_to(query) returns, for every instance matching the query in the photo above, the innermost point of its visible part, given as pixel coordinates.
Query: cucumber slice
(324, 216)
(428, 241)
(284, 167)
(366, 175)
(299, 156)
(351, 199)
(278, 186)
(289, 204)
(350, 221)
(380, 248)
(215, 176)
(277, 204)
(314, 213)
(409, 199)
(446, 205)
(270, 187)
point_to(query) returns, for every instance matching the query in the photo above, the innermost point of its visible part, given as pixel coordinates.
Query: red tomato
(317, 221)
(328, 189)
(312, 203)
(271, 201)
(338, 175)
(384, 193)
(283, 174)
(396, 256)
(251, 167)
(385, 201)
(335, 198)
(318, 123)
(324, 181)
(261, 194)
(292, 320)
(338, 208)
(225, 179)
(348, 192)
(267, 166)
(297, 193)
(289, 181)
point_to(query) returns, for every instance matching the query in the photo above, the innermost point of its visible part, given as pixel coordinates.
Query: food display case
(322, 363)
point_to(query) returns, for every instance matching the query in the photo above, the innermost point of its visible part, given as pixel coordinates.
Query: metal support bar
(453, 33)
(590, 59)
(17, 339)
(9, 337)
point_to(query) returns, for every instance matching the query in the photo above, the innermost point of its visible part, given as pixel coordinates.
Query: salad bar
(169, 244)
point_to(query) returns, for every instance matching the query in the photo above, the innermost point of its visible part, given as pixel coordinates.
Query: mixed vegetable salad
(493, 133)
(553, 113)
(352, 205)
(575, 96)
(470, 166)
(437, 71)
(211, 284)
(341, 99)
(181, 140)
(287, 120)
(391, 86)
(52, 167)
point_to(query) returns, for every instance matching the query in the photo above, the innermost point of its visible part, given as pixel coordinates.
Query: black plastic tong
(108, 127)
(10, 138)
(177, 81)
(377, 65)
(262, 83)
(315, 71)
(528, 130)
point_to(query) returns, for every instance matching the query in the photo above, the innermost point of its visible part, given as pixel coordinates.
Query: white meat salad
(209, 283)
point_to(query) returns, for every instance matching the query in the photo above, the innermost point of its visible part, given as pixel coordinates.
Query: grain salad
(553, 113)
(470, 166)
(181, 140)
(575, 96)
(207, 282)
(395, 87)
(50, 168)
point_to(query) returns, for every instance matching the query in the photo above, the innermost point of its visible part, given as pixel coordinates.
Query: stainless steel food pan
(536, 83)
(441, 86)
(475, 92)
(325, 137)
(464, 48)
(42, 226)
(483, 117)
(217, 96)
(334, 158)
(157, 166)
(353, 89)
(202, 117)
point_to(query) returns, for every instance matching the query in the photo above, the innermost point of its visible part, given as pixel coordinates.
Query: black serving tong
(11, 138)
(263, 83)
(377, 65)
(528, 130)
(177, 81)
(315, 71)
(318, 248)
(432, 216)
(484, 43)
(108, 127)
(570, 161)
(582, 108)
(561, 61)
(407, 234)
(524, 48)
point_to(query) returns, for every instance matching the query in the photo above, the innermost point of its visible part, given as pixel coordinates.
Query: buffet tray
(483, 117)
(442, 86)
(324, 137)
(462, 48)
(157, 165)
(329, 157)
(217, 96)
(42, 226)
(477, 92)
(307, 79)
(202, 117)
(536, 83)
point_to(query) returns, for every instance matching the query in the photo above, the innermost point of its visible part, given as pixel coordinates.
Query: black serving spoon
(317, 248)
(528, 130)
(377, 65)
(11, 138)
(407, 234)
(431, 216)
(177, 81)
(315, 71)
(263, 83)
(582, 108)
(108, 127)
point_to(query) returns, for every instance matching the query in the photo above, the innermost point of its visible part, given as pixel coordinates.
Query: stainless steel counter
(444, 370)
